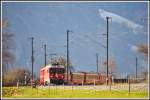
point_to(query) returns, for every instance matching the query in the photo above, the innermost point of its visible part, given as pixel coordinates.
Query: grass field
(69, 92)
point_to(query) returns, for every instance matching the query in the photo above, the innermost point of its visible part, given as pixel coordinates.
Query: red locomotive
(52, 74)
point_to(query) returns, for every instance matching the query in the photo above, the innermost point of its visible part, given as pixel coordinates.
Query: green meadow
(60, 92)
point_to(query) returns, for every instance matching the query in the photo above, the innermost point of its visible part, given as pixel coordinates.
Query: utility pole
(68, 52)
(97, 62)
(107, 19)
(45, 53)
(136, 66)
(32, 59)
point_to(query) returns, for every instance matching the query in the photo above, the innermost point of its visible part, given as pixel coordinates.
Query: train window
(57, 70)
(60, 70)
(52, 70)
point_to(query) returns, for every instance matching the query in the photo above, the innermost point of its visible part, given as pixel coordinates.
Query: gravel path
(134, 87)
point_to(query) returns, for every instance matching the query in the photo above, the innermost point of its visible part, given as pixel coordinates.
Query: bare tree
(143, 48)
(7, 46)
(13, 75)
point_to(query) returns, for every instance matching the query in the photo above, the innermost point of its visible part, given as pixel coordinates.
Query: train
(52, 73)
(55, 73)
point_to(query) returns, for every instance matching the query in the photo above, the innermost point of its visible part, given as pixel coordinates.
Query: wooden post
(72, 86)
(112, 80)
(17, 84)
(109, 84)
(129, 83)
(37, 90)
(56, 88)
(94, 85)
(64, 87)
(107, 81)
(49, 88)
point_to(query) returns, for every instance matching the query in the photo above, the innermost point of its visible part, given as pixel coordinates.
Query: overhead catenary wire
(84, 42)
(89, 38)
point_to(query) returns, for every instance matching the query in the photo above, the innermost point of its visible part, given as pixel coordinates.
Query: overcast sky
(48, 23)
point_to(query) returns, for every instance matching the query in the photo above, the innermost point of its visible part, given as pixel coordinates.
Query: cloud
(136, 28)
(133, 47)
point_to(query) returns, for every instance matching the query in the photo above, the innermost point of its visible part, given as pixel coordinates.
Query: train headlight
(56, 75)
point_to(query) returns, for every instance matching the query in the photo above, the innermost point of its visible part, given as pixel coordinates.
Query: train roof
(52, 66)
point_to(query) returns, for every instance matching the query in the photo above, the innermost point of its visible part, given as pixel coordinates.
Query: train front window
(60, 70)
(57, 70)
(52, 70)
